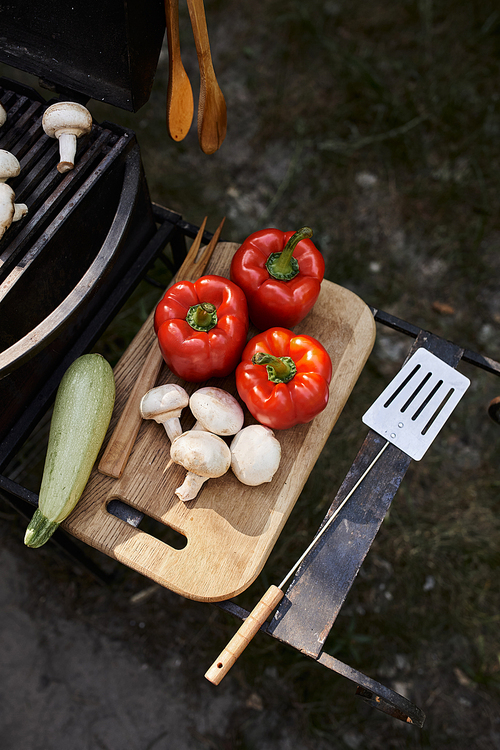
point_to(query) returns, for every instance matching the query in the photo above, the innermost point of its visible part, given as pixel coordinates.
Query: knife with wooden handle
(121, 442)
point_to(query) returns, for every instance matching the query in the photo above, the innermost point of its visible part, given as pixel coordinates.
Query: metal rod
(256, 618)
(332, 517)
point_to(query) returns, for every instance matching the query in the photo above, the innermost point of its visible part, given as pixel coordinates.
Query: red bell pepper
(281, 275)
(202, 327)
(283, 378)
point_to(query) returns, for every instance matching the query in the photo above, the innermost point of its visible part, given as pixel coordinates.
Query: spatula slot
(414, 395)
(401, 387)
(428, 399)
(438, 410)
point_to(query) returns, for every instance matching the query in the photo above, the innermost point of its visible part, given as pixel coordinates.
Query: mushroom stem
(20, 210)
(67, 152)
(190, 487)
(173, 428)
(199, 426)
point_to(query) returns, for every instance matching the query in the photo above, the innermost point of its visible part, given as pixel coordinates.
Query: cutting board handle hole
(148, 525)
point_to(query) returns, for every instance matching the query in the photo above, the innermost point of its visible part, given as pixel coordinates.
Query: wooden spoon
(212, 113)
(121, 442)
(180, 103)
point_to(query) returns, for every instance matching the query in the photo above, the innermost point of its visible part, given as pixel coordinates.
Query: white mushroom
(204, 455)
(9, 210)
(9, 165)
(255, 455)
(164, 404)
(3, 114)
(66, 121)
(216, 411)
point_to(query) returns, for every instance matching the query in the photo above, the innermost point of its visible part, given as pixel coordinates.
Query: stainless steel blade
(413, 408)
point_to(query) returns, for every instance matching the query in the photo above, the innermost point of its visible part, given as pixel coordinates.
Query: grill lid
(106, 50)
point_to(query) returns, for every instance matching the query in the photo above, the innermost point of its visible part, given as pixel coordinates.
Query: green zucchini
(82, 412)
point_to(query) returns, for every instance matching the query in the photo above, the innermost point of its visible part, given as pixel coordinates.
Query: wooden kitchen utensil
(119, 447)
(212, 113)
(180, 103)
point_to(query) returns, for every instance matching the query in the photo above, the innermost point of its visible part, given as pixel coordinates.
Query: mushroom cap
(7, 207)
(255, 455)
(7, 195)
(202, 453)
(217, 410)
(164, 401)
(9, 165)
(3, 114)
(66, 117)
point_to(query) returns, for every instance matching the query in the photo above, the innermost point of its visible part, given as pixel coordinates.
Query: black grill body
(106, 50)
(81, 234)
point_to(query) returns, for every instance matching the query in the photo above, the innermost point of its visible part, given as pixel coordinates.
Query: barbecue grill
(61, 264)
(88, 239)
(80, 234)
(106, 50)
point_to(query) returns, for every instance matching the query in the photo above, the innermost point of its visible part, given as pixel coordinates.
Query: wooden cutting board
(229, 529)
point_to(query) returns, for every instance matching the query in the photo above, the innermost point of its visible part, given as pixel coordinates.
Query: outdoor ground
(377, 125)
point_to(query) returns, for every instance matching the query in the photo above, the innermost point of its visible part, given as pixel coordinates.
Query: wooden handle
(200, 31)
(212, 111)
(121, 442)
(244, 635)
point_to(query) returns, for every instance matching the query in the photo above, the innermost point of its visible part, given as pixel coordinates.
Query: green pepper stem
(202, 317)
(283, 266)
(279, 369)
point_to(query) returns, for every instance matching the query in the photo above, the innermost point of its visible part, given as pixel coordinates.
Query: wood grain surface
(229, 529)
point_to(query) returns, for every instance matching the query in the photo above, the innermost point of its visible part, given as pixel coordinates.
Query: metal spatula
(413, 408)
(409, 414)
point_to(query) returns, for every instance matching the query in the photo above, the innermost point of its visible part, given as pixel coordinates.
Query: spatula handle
(244, 635)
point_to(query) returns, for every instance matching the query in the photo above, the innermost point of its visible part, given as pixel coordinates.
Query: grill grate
(73, 251)
(47, 193)
(45, 255)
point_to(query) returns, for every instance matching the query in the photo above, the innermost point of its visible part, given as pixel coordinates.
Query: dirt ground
(378, 126)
